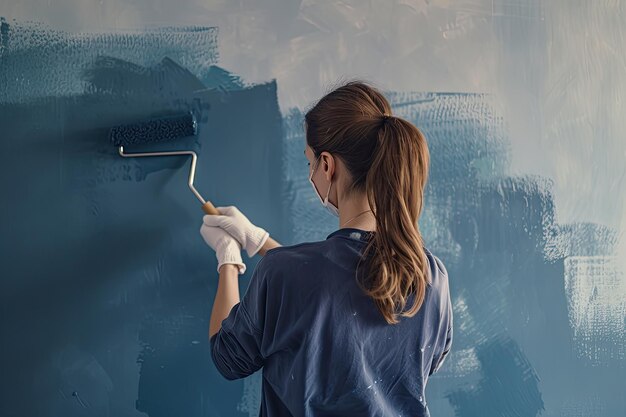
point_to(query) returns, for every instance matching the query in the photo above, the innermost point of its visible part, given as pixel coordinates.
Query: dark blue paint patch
(106, 283)
(118, 77)
(219, 79)
(4, 34)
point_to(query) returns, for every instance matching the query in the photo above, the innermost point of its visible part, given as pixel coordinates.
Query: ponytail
(397, 261)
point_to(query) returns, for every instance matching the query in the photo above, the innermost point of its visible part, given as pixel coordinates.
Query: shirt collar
(352, 233)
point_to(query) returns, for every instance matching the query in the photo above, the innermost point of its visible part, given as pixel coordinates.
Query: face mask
(330, 207)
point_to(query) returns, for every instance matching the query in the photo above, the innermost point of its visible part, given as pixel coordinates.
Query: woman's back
(325, 347)
(333, 342)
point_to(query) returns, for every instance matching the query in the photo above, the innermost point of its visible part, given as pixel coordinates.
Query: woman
(352, 325)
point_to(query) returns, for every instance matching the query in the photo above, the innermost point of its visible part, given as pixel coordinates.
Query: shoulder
(436, 262)
(440, 285)
(288, 259)
(298, 252)
(438, 270)
(285, 273)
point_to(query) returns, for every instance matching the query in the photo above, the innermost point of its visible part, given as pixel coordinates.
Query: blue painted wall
(107, 286)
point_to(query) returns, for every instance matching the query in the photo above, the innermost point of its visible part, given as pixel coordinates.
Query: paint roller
(160, 130)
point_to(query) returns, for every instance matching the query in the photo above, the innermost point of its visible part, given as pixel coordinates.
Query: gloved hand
(251, 237)
(227, 249)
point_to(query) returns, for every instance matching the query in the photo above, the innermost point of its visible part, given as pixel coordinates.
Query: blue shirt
(324, 347)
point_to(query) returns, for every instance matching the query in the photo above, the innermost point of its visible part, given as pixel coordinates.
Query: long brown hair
(388, 159)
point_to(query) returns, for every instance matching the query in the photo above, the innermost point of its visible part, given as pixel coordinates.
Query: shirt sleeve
(440, 358)
(236, 347)
(446, 333)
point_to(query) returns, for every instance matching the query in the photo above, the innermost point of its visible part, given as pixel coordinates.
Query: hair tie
(386, 116)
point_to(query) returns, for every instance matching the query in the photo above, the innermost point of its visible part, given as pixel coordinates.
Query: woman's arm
(226, 297)
(269, 244)
(227, 294)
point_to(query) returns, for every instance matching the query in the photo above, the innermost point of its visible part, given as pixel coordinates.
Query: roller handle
(209, 208)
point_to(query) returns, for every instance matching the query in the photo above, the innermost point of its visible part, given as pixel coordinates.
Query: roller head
(155, 130)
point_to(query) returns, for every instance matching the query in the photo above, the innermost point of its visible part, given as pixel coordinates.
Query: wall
(107, 285)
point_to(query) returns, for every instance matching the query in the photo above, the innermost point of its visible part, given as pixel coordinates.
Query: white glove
(227, 249)
(251, 237)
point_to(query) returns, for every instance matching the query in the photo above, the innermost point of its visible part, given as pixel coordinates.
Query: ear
(328, 164)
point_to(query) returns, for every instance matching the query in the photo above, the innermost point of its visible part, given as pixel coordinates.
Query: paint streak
(250, 401)
(596, 302)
